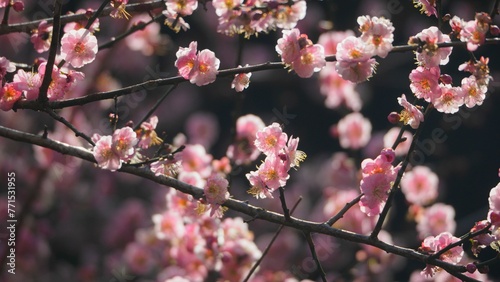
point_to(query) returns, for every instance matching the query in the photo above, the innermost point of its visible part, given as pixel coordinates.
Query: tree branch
(310, 242)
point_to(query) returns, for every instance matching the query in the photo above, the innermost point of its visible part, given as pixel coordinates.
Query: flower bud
(393, 118)
(18, 6)
(446, 79)
(471, 267)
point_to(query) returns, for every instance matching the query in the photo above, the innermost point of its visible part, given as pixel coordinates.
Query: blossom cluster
(473, 32)
(26, 84)
(354, 54)
(280, 157)
(299, 53)
(111, 151)
(183, 246)
(378, 176)
(433, 244)
(199, 68)
(176, 10)
(243, 149)
(257, 16)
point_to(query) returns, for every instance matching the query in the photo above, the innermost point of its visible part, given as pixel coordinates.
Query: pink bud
(495, 30)
(471, 267)
(18, 6)
(446, 79)
(393, 118)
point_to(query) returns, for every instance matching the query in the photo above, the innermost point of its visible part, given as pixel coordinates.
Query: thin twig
(341, 213)
(264, 253)
(404, 164)
(494, 10)
(5, 20)
(310, 242)
(97, 14)
(54, 43)
(464, 238)
(62, 120)
(156, 105)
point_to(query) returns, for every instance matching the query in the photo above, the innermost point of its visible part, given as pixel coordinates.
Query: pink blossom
(474, 93)
(215, 191)
(147, 133)
(202, 128)
(223, 6)
(311, 60)
(338, 90)
(78, 47)
(42, 36)
(5, 67)
(138, 258)
(182, 7)
(104, 154)
(287, 17)
(195, 158)
(166, 167)
(456, 24)
(273, 172)
(292, 156)
(436, 219)
(244, 150)
(148, 40)
(174, 21)
(354, 131)
(451, 99)
(4, 3)
(82, 23)
(59, 84)
(426, 6)
(474, 33)
(420, 186)
(124, 140)
(168, 225)
(378, 33)
(288, 46)
(431, 55)
(186, 59)
(330, 39)
(353, 59)
(494, 204)
(258, 188)
(9, 95)
(375, 189)
(119, 9)
(271, 139)
(410, 115)
(434, 244)
(241, 81)
(424, 83)
(390, 138)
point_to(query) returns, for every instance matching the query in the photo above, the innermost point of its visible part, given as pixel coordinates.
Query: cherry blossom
(78, 47)
(353, 59)
(378, 33)
(5, 67)
(420, 186)
(474, 93)
(244, 150)
(431, 55)
(410, 115)
(8, 96)
(433, 244)
(270, 139)
(494, 204)
(424, 83)
(81, 24)
(427, 7)
(104, 155)
(182, 7)
(111, 151)
(42, 36)
(354, 131)
(241, 81)
(148, 136)
(200, 68)
(451, 99)
(329, 40)
(124, 140)
(119, 9)
(436, 219)
(195, 158)
(215, 191)
(338, 90)
(148, 40)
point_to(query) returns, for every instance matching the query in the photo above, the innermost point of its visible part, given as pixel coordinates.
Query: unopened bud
(393, 118)
(494, 30)
(471, 267)
(446, 79)
(18, 6)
